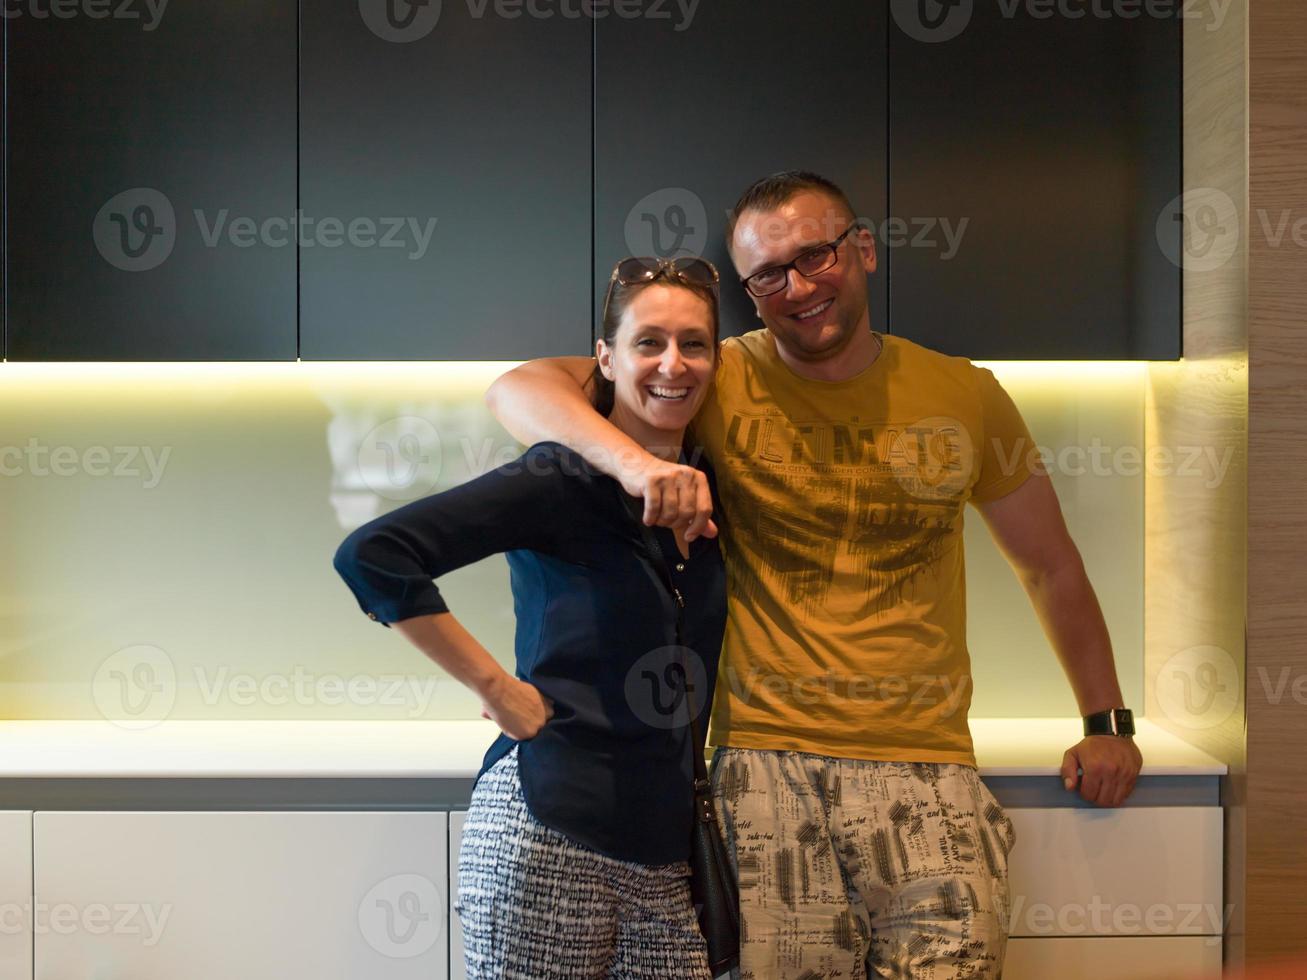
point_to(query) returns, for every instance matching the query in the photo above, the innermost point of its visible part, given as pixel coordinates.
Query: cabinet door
(1051, 146)
(16, 894)
(692, 108)
(255, 895)
(151, 182)
(445, 181)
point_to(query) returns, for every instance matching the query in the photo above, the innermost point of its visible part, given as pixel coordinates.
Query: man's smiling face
(813, 318)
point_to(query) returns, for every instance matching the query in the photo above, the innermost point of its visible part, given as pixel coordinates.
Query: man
(863, 839)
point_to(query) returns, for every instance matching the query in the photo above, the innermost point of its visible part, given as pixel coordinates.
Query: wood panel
(1277, 472)
(1194, 521)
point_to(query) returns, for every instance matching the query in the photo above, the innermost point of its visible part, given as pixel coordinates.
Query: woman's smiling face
(662, 359)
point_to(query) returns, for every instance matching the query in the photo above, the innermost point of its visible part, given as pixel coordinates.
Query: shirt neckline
(860, 378)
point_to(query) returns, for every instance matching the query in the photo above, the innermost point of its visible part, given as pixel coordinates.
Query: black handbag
(713, 885)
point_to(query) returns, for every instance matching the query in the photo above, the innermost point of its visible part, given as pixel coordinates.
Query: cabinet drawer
(1142, 871)
(259, 896)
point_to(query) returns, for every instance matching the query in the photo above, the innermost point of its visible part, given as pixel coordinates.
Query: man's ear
(604, 355)
(866, 242)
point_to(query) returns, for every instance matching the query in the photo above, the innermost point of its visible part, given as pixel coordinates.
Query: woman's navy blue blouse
(596, 632)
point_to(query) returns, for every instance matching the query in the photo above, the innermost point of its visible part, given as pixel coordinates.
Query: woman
(573, 862)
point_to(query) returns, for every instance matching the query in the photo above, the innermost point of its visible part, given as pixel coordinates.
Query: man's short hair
(773, 191)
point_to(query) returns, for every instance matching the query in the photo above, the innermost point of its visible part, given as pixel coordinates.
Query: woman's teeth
(672, 394)
(815, 311)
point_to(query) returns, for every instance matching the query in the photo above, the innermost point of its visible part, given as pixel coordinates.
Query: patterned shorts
(535, 905)
(854, 869)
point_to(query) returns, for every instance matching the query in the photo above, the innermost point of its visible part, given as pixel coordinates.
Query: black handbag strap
(701, 783)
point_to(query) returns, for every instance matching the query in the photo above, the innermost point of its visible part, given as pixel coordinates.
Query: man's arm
(545, 400)
(1028, 527)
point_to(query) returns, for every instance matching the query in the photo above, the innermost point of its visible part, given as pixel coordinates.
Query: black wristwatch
(1113, 721)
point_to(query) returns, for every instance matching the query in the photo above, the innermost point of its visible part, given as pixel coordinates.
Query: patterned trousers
(534, 905)
(854, 869)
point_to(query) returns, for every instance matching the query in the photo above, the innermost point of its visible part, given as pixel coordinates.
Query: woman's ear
(604, 354)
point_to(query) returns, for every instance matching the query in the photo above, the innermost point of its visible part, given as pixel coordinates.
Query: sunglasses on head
(635, 270)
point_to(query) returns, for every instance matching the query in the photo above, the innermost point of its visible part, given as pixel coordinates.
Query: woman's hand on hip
(518, 708)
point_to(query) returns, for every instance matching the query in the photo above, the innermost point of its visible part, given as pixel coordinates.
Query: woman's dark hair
(602, 391)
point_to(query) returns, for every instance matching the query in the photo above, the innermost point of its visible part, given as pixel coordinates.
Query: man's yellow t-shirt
(842, 531)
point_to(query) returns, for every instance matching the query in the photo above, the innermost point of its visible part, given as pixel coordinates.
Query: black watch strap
(1114, 721)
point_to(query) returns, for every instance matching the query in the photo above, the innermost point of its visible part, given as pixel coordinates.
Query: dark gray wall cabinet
(151, 181)
(457, 143)
(687, 115)
(1057, 140)
(374, 179)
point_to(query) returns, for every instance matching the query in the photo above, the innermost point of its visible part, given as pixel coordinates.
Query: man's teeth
(672, 393)
(815, 310)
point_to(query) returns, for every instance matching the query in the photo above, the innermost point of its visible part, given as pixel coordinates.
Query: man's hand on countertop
(1109, 766)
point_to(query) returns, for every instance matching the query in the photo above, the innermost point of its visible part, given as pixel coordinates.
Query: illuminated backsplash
(169, 530)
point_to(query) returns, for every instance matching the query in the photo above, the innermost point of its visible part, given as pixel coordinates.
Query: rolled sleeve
(390, 563)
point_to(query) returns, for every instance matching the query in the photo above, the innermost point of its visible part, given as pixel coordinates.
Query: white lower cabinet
(130, 895)
(15, 895)
(1134, 893)
(1133, 958)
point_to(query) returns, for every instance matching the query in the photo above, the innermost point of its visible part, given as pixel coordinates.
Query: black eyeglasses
(808, 263)
(688, 269)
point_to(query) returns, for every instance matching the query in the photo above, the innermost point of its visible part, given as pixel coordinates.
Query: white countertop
(448, 749)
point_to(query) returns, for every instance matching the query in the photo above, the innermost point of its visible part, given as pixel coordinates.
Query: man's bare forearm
(545, 401)
(1073, 621)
